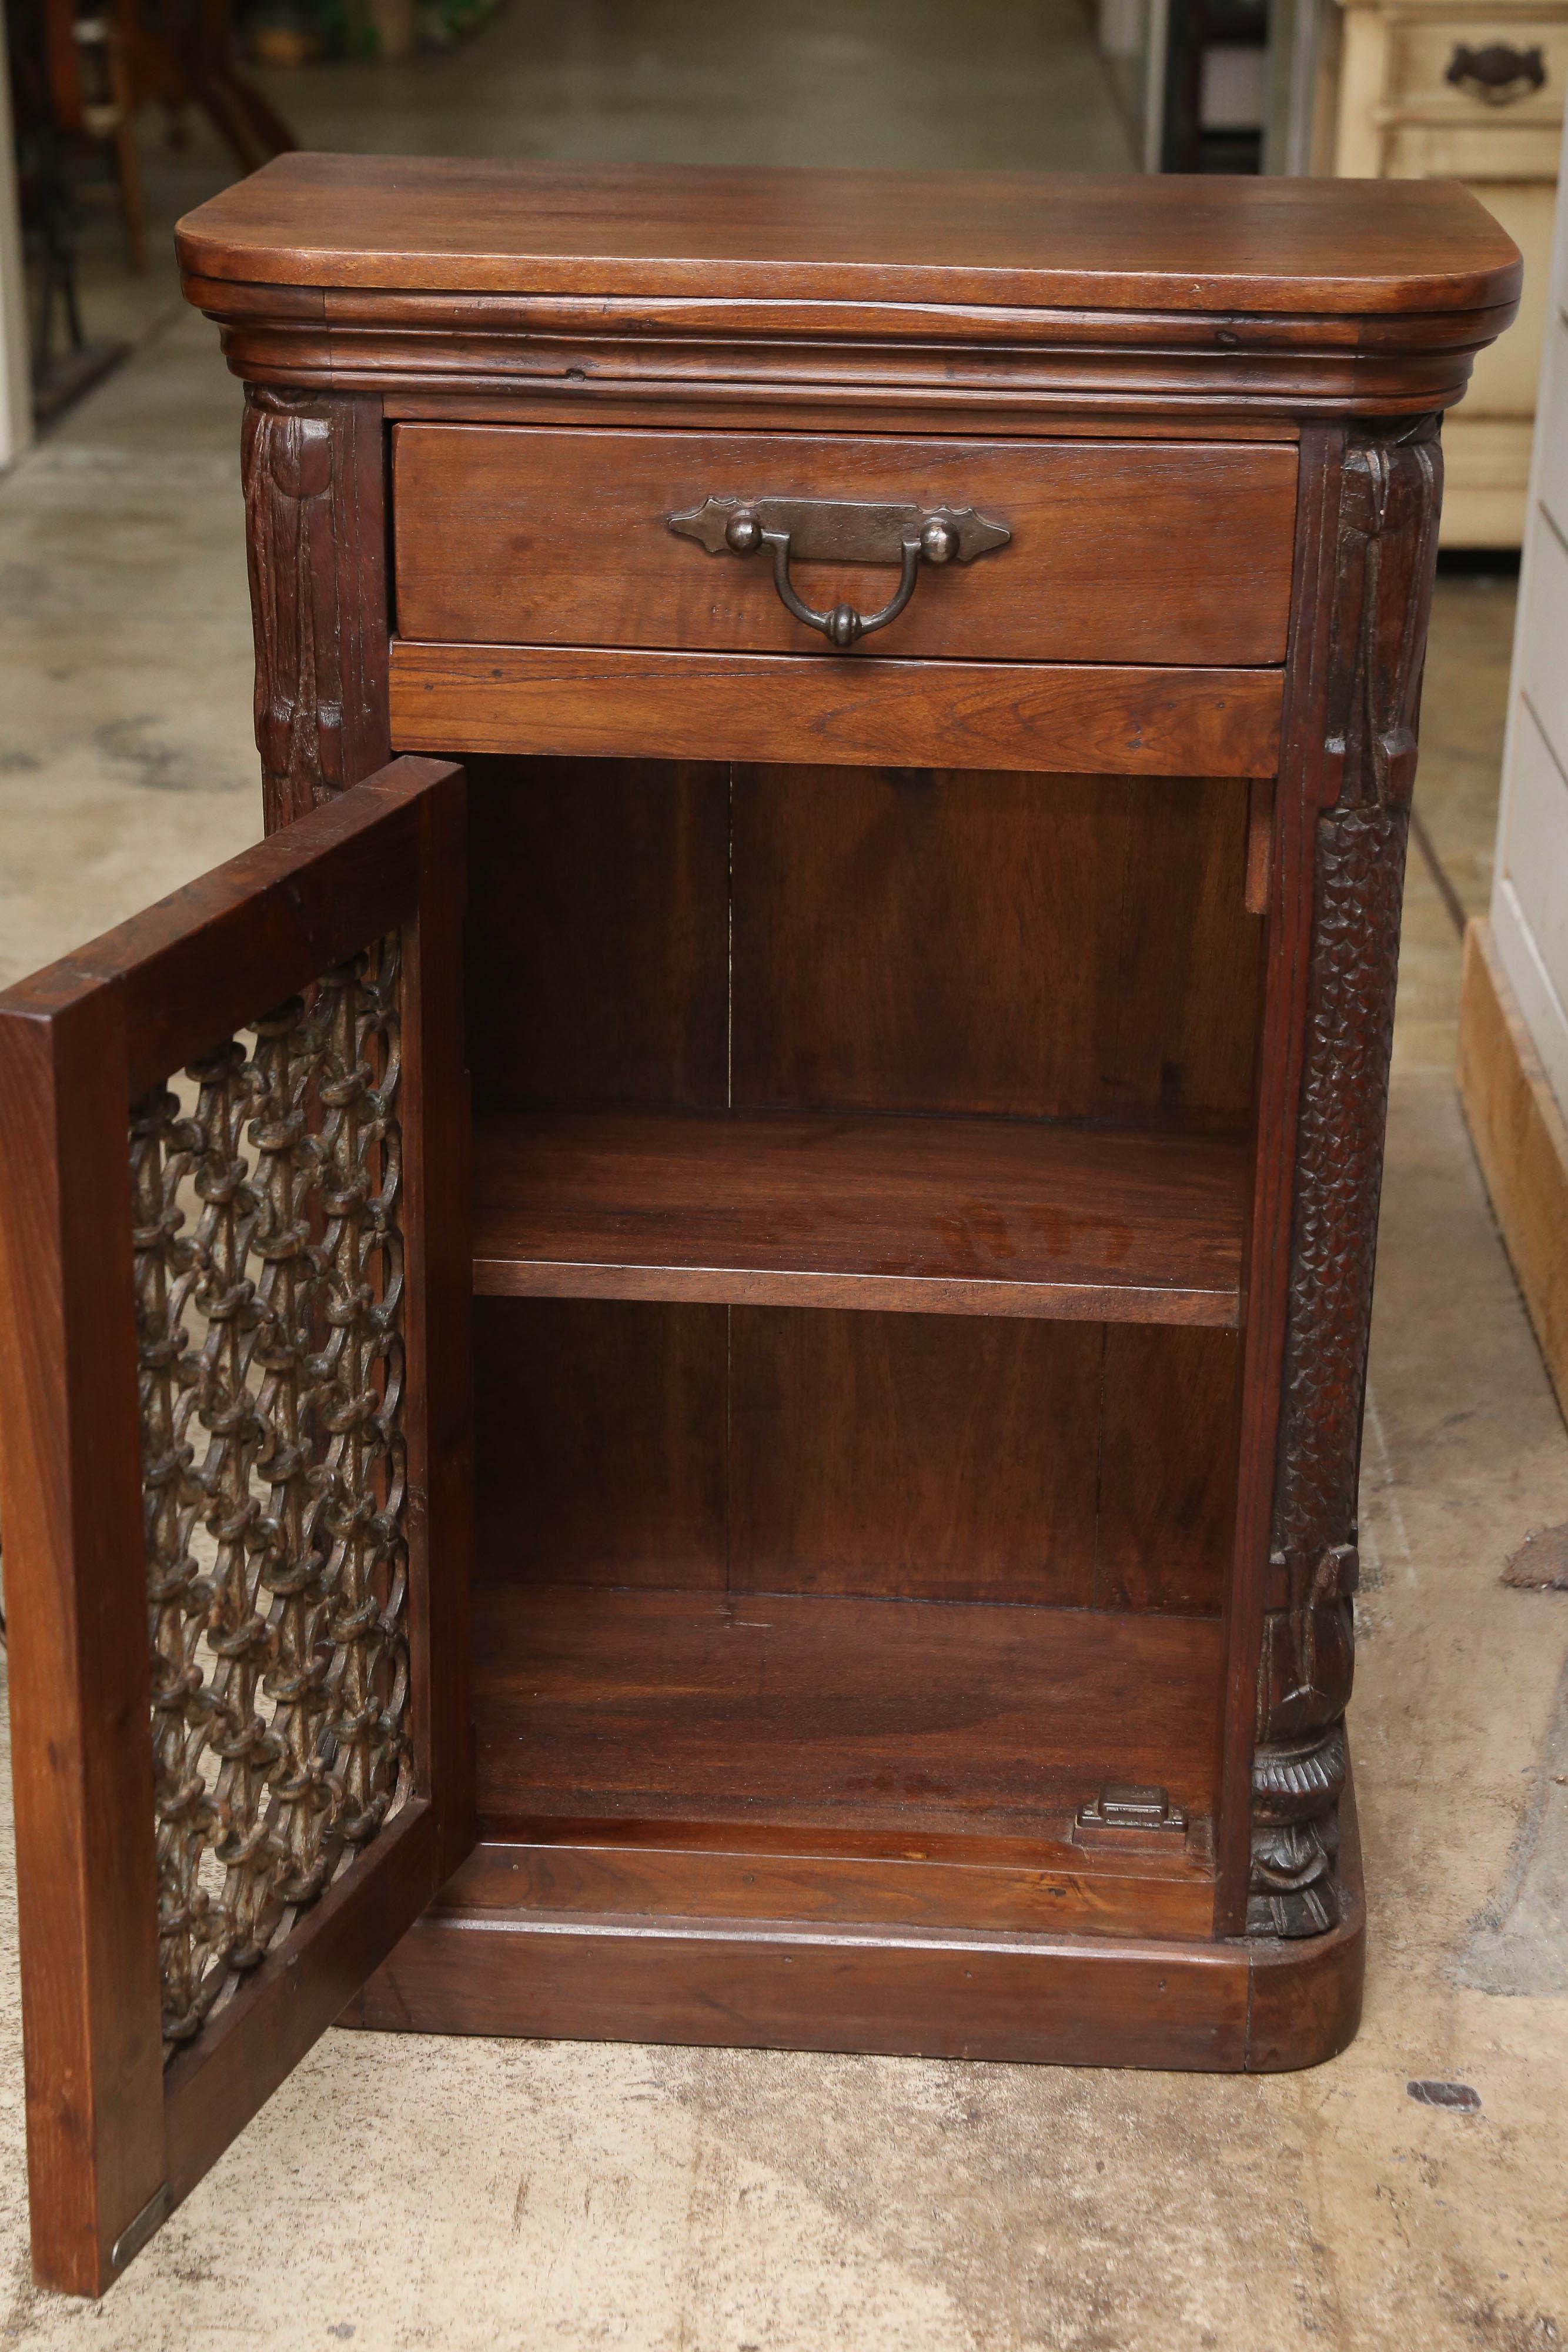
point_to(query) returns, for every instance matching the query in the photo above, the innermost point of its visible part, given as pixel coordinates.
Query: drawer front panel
(1145, 553)
(1483, 153)
(1424, 50)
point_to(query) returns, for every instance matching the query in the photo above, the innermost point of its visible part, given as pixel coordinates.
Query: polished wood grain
(769, 365)
(804, 1709)
(417, 223)
(1190, 973)
(80, 1694)
(931, 940)
(598, 934)
(738, 1871)
(1239, 2005)
(1120, 552)
(826, 937)
(595, 396)
(960, 1458)
(939, 1458)
(909, 1992)
(114, 2139)
(860, 710)
(600, 1442)
(1168, 1447)
(935, 1216)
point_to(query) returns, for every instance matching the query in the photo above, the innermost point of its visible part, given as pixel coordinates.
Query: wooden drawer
(1423, 49)
(1486, 154)
(1120, 551)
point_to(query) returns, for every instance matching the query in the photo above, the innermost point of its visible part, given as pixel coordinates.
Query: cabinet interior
(756, 1561)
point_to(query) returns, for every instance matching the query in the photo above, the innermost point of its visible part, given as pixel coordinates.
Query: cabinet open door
(234, 1487)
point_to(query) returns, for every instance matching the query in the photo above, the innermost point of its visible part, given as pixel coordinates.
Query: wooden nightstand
(937, 664)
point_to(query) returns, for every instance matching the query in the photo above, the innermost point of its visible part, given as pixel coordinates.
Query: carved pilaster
(1384, 561)
(316, 514)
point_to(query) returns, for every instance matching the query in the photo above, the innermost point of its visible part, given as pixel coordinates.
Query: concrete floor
(993, 84)
(405, 2192)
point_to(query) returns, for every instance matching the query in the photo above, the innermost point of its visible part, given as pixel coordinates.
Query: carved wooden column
(1385, 560)
(315, 498)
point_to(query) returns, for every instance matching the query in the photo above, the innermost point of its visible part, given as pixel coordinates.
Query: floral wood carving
(315, 513)
(268, 1256)
(1385, 563)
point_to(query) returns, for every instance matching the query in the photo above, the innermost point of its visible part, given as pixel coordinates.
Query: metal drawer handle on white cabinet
(841, 531)
(1497, 74)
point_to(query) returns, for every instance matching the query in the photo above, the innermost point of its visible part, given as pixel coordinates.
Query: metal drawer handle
(1497, 74)
(840, 531)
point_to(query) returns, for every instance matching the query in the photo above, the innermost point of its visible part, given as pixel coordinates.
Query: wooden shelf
(949, 1216)
(792, 1712)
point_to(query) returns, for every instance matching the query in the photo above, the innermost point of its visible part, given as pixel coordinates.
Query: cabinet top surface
(430, 224)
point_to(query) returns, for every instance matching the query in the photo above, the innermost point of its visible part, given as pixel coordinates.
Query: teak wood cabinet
(809, 1498)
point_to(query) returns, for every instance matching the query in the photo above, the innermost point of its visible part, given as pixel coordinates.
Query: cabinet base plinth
(1236, 2005)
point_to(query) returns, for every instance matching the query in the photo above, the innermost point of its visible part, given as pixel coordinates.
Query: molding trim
(315, 498)
(1386, 558)
(988, 359)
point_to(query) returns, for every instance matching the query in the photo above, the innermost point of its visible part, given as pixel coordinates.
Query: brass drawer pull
(1497, 74)
(840, 531)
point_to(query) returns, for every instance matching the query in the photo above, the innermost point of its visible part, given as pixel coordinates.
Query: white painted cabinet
(1470, 91)
(1513, 998)
(1530, 891)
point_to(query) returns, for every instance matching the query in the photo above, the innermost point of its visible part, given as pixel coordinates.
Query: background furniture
(1215, 82)
(937, 662)
(91, 96)
(184, 52)
(1445, 89)
(1513, 1014)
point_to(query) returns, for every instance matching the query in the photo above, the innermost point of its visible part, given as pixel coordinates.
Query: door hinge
(135, 2234)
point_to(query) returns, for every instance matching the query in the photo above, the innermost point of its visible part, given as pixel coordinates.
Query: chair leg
(127, 155)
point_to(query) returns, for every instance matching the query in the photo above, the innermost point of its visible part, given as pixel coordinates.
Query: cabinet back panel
(855, 1719)
(1168, 1444)
(939, 1457)
(892, 939)
(780, 1450)
(598, 933)
(1056, 946)
(599, 1441)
